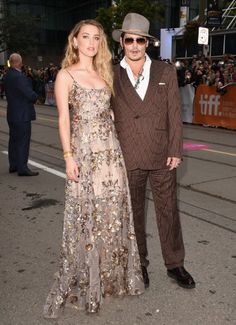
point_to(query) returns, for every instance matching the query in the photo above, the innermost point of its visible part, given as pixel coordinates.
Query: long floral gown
(99, 255)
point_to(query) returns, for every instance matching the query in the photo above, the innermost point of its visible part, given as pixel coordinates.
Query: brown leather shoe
(182, 277)
(145, 277)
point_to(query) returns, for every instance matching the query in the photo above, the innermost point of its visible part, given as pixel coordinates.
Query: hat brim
(116, 34)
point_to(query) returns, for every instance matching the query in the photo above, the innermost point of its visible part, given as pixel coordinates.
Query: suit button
(137, 116)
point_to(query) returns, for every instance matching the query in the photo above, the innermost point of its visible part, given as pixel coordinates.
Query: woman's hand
(72, 170)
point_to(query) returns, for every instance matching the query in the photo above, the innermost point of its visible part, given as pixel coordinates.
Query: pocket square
(162, 83)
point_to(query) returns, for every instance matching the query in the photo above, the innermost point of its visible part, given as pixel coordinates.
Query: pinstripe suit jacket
(149, 130)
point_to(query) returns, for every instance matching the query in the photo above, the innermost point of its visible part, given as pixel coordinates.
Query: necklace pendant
(139, 79)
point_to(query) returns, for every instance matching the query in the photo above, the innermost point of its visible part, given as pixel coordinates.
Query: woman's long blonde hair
(102, 60)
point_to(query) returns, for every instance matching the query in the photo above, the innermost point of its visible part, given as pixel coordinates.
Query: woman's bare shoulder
(64, 75)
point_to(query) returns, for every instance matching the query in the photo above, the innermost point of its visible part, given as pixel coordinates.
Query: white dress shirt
(144, 79)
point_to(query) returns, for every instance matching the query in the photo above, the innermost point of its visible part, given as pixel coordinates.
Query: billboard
(213, 13)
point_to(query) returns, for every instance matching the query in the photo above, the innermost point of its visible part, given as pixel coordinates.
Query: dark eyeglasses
(131, 40)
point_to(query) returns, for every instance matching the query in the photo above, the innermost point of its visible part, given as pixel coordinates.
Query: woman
(99, 255)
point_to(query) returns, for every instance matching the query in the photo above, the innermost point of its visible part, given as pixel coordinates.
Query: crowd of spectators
(42, 81)
(195, 71)
(205, 70)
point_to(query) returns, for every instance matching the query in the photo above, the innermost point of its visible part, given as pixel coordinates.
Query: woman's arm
(62, 88)
(62, 94)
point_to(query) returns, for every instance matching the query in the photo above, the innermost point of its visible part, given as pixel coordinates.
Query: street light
(156, 43)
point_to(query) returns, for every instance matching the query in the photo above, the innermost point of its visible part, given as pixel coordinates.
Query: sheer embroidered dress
(99, 254)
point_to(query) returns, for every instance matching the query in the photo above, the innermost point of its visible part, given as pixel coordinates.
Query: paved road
(31, 215)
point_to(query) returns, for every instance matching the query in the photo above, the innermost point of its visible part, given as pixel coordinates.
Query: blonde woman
(99, 255)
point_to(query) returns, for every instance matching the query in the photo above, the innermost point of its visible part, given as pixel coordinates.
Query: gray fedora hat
(134, 24)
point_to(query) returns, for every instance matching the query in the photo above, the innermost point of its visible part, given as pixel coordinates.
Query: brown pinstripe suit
(149, 131)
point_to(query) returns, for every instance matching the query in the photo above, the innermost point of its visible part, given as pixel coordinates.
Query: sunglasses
(131, 40)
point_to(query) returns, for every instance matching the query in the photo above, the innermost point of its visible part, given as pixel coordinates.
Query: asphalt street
(31, 218)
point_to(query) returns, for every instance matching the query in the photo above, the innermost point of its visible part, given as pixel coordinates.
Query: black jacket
(20, 97)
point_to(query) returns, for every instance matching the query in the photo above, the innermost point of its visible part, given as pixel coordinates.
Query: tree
(17, 32)
(111, 18)
(191, 33)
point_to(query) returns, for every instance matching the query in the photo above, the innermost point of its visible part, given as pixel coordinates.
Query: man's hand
(112, 115)
(173, 162)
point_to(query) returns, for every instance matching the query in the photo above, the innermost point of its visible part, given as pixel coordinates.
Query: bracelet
(67, 154)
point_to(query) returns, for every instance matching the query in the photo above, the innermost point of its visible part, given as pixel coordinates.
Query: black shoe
(28, 173)
(182, 277)
(12, 170)
(145, 277)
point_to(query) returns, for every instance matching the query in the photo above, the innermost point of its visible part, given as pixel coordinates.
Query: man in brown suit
(147, 114)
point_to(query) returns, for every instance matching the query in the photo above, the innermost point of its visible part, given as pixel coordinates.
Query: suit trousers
(163, 187)
(19, 144)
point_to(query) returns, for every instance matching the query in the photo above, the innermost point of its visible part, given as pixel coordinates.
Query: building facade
(55, 20)
(172, 11)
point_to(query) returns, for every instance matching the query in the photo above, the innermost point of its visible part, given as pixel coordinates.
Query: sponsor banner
(212, 108)
(213, 13)
(184, 15)
(187, 96)
(213, 18)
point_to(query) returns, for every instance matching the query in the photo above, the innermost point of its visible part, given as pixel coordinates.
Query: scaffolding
(222, 38)
(228, 18)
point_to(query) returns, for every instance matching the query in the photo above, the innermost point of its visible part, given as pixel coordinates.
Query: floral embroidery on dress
(99, 254)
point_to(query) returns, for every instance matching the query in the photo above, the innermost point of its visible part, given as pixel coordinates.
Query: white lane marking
(221, 152)
(63, 175)
(43, 167)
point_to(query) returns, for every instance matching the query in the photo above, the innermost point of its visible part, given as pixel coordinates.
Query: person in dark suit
(147, 116)
(20, 113)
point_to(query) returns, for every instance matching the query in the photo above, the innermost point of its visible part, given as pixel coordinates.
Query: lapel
(128, 92)
(134, 102)
(156, 72)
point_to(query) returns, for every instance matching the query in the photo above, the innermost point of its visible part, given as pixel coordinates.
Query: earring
(75, 46)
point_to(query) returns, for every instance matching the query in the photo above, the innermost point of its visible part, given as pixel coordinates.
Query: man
(20, 113)
(148, 121)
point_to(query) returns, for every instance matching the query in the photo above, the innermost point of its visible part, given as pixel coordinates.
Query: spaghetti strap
(70, 75)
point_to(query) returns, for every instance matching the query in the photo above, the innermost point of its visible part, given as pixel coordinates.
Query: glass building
(57, 17)
(172, 11)
(55, 20)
